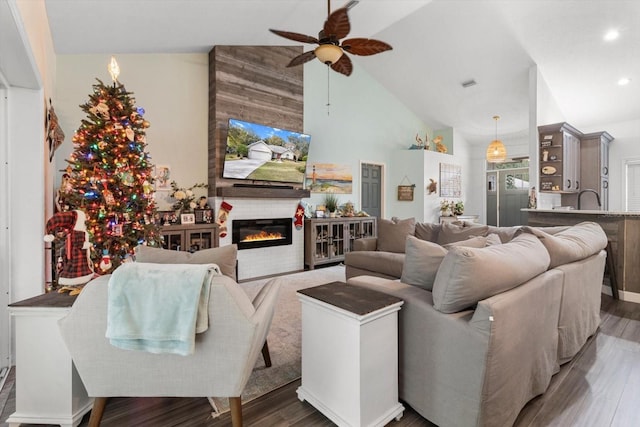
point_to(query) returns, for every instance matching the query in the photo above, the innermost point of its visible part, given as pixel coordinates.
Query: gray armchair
(220, 366)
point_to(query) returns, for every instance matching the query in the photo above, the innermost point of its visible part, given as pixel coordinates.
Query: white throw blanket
(158, 307)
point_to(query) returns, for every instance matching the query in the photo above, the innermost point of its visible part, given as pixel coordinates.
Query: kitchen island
(623, 231)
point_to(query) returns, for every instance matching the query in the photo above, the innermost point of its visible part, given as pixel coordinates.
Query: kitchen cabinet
(594, 174)
(327, 240)
(559, 158)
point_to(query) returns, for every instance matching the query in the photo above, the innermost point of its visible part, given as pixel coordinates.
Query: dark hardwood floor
(599, 387)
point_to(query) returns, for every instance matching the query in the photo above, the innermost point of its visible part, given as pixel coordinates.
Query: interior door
(371, 189)
(507, 193)
(514, 195)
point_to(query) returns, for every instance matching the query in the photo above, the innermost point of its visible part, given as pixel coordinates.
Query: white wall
(364, 123)
(172, 88)
(544, 111)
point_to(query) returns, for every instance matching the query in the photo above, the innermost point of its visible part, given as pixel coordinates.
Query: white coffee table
(350, 354)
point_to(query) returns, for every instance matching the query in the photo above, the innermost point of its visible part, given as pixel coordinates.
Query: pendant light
(496, 151)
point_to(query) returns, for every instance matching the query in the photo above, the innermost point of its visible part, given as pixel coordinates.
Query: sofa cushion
(469, 275)
(224, 256)
(427, 231)
(573, 244)
(450, 233)
(387, 263)
(471, 242)
(392, 234)
(505, 233)
(421, 261)
(494, 239)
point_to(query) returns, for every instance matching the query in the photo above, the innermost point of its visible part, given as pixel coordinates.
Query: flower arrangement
(185, 198)
(451, 207)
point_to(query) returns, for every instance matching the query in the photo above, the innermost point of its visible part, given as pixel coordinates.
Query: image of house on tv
(260, 150)
(263, 153)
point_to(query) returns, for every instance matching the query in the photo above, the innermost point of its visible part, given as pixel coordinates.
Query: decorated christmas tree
(110, 176)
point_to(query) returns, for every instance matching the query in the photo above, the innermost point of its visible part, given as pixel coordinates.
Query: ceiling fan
(331, 50)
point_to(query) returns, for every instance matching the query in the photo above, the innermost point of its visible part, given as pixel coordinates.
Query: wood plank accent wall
(251, 83)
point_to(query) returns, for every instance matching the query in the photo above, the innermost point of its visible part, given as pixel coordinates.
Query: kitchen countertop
(584, 212)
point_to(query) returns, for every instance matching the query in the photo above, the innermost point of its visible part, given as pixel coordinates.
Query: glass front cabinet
(189, 237)
(327, 240)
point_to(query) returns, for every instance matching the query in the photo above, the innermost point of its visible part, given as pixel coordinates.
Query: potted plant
(445, 208)
(331, 203)
(458, 208)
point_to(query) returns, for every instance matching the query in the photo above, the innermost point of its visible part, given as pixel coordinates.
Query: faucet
(589, 190)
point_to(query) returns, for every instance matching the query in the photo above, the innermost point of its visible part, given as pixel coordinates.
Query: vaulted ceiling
(437, 45)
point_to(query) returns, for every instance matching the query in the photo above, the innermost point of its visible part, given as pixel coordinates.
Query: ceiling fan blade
(297, 37)
(343, 65)
(364, 47)
(301, 59)
(337, 24)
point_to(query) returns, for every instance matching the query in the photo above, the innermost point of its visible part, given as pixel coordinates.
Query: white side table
(350, 354)
(48, 387)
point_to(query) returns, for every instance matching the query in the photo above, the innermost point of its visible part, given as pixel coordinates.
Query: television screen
(263, 153)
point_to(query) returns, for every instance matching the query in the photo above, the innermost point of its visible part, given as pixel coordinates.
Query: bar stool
(611, 268)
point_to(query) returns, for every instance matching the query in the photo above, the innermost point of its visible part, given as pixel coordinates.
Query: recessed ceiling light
(611, 35)
(624, 81)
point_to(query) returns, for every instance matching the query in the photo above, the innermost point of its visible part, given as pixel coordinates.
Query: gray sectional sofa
(489, 318)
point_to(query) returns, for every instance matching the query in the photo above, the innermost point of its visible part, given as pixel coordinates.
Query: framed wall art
(450, 180)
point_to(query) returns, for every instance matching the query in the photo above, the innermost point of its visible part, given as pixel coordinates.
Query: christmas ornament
(130, 135)
(298, 217)
(108, 196)
(126, 177)
(223, 214)
(105, 262)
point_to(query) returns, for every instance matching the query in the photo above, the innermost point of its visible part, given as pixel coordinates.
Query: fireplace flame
(263, 235)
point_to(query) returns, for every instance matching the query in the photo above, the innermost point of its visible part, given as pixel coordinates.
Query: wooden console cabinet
(189, 237)
(327, 240)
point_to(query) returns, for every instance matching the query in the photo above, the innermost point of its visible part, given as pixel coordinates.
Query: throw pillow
(469, 275)
(471, 242)
(421, 262)
(493, 239)
(573, 244)
(504, 233)
(393, 234)
(450, 232)
(427, 231)
(224, 256)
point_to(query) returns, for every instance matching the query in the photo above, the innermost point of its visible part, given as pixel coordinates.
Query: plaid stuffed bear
(77, 268)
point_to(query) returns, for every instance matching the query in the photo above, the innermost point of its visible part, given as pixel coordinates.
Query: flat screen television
(258, 152)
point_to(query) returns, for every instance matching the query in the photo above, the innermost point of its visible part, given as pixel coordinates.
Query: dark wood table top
(354, 299)
(50, 299)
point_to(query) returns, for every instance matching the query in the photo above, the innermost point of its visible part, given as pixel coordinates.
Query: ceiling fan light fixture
(328, 53)
(496, 151)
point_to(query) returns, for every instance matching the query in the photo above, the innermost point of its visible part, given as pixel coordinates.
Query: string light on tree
(110, 174)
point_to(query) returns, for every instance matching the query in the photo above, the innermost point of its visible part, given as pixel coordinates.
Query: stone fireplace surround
(259, 262)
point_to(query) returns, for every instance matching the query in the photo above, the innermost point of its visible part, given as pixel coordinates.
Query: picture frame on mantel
(187, 218)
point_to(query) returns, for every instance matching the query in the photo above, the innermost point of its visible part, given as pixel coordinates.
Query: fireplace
(261, 233)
